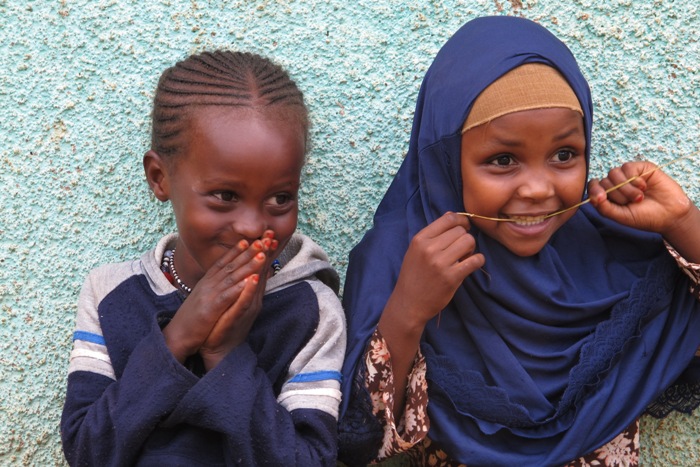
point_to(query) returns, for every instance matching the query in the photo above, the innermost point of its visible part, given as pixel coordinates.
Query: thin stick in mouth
(587, 200)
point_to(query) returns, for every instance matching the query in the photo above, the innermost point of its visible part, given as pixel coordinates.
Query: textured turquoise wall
(76, 80)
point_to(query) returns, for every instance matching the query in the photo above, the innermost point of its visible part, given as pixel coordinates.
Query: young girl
(521, 335)
(223, 344)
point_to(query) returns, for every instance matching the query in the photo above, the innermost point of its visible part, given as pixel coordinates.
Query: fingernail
(243, 244)
(266, 242)
(274, 244)
(269, 234)
(255, 278)
(639, 198)
(260, 256)
(257, 244)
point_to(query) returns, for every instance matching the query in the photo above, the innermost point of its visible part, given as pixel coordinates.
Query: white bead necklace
(171, 265)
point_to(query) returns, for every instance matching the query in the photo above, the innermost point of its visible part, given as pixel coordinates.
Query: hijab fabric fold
(541, 359)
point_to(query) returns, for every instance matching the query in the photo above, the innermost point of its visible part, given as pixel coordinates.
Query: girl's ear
(157, 175)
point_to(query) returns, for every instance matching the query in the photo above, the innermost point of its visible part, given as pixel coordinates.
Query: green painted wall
(76, 80)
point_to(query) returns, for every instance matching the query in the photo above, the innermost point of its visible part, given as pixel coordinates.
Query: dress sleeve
(414, 424)
(691, 270)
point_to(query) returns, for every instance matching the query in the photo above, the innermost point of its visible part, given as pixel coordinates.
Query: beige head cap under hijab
(527, 87)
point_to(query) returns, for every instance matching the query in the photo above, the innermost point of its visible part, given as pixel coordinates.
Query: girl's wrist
(402, 317)
(174, 343)
(211, 360)
(684, 235)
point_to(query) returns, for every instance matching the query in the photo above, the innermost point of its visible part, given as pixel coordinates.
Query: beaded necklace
(167, 266)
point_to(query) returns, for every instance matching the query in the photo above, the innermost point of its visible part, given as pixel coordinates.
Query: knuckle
(220, 263)
(418, 239)
(435, 264)
(229, 281)
(221, 299)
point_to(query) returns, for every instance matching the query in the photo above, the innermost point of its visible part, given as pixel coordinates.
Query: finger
(444, 223)
(227, 258)
(234, 273)
(223, 297)
(623, 189)
(270, 244)
(268, 240)
(267, 270)
(449, 238)
(625, 195)
(460, 248)
(470, 264)
(234, 268)
(250, 287)
(237, 311)
(270, 234)
(596, 192)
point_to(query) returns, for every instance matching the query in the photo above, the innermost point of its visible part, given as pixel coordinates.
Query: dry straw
(629, 180)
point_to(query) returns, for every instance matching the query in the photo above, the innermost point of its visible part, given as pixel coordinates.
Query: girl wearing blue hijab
(520, 335)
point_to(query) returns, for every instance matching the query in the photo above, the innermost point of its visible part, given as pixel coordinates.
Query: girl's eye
(225, 195)
(281, 199)
(502, 160)
(564, 155)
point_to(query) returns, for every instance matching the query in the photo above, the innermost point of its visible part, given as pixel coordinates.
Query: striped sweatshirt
(272, 401)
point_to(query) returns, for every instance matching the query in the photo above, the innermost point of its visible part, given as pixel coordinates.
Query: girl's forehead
(202, 119)
(538, 131)
(228, 130)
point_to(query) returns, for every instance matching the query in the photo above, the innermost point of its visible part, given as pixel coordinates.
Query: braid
(219, 78)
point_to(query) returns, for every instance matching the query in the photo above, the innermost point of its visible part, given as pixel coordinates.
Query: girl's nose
(536, 185)
(249, 223)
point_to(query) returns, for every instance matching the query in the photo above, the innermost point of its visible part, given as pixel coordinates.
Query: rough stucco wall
(76, 79)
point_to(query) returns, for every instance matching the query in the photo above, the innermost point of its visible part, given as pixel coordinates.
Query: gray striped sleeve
(313, 381)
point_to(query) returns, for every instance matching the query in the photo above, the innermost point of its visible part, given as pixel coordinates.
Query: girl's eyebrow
(566, 134)
(215, 180)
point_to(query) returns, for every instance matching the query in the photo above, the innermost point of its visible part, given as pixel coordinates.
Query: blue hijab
(544, 358)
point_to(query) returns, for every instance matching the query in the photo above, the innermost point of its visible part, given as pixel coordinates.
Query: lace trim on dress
(680, 397)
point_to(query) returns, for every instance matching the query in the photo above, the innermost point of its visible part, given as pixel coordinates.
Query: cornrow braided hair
(220, 78)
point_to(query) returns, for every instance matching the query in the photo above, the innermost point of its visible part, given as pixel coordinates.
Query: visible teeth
(527, 220)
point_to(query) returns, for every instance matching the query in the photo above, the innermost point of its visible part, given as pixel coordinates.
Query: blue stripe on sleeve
(316, 376)
(88, 337)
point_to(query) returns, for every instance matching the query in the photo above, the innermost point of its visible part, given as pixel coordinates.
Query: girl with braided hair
(223, 344)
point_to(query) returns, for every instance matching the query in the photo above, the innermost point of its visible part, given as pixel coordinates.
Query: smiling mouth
(527, 220)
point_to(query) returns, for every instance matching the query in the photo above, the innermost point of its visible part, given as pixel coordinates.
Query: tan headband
(527, 87)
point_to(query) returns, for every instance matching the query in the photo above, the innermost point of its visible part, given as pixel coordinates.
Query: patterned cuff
(414, 424)
(691, 270)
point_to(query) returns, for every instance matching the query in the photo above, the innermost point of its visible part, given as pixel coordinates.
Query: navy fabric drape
(539, 359)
